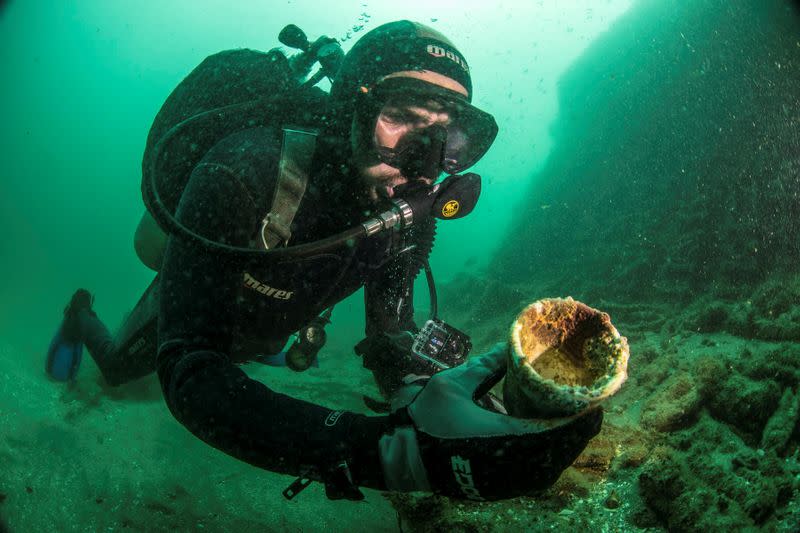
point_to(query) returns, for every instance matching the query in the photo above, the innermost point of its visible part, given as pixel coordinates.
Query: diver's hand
(389, 357)
(445, 443)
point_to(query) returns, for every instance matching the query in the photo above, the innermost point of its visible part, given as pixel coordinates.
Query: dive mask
(428, 151)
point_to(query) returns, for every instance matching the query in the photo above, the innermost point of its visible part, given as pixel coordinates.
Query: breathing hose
(399, 216)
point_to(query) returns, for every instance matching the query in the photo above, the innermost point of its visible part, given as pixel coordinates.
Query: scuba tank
(225, 93)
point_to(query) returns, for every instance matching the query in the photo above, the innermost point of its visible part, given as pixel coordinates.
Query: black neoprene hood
(393, 47)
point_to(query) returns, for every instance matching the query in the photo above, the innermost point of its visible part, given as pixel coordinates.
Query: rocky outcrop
(676, 163)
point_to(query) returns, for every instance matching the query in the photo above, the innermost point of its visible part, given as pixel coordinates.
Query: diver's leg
(131, 353)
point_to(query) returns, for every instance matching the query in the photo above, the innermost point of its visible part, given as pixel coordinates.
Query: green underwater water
(648, 164)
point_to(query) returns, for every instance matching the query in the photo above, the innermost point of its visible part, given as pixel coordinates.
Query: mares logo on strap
(462, 471)
(439, 51)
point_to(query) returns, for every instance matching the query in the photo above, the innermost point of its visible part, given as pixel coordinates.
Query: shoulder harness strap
(297, 151)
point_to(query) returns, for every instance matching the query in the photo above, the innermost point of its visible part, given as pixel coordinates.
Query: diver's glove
(445, 443)
(389, 357)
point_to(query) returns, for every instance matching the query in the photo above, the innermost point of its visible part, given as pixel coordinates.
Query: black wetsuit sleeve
(389, 299)
(390, 326)
(203, 389)
(389, 291)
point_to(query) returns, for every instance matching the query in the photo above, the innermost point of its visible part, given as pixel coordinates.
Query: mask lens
(468, 139)
(455, 149)
(408, 104)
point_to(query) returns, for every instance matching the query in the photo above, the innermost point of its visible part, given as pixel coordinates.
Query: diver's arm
(389, 298)
(204, 390)
(427, 445)
(242, 417)
(389, 291)
(390, 326)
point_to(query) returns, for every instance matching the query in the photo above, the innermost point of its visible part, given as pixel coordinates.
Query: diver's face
(396, 120)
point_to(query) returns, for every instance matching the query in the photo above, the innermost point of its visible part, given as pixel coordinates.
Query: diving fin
(278, 359)
(66, 349)
(63, 357)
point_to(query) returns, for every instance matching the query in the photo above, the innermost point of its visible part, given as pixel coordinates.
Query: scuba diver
(349, 184)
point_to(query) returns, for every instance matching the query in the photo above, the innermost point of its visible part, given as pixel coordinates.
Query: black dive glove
(445, 443)
(389, 357)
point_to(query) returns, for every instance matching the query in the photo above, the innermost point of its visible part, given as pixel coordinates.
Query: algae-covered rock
(707, 317)
(662, 480)
(781, 365)
(776, 296)
(711, 480)
(771, 323)
(614, 448)
(785, 327)
(790, 516)
(652, 376)
(782, 424)
(710, 372)
(673, 407)
(745, 404)
(772, 313)
(759, 482)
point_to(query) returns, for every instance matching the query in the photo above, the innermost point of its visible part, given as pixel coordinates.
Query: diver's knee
(149, 242)
(112, 380)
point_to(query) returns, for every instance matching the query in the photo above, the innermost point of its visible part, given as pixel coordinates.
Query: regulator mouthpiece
(418, 154)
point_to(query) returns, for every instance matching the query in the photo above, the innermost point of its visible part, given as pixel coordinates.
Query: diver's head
(402, 97)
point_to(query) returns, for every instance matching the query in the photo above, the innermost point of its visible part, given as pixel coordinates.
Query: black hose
(432, 291)
(169, 223)
(301, 250)
(423, 236)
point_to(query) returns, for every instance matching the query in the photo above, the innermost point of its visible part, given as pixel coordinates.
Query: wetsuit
(216, 311)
